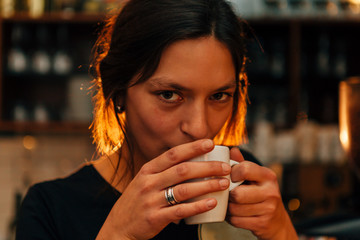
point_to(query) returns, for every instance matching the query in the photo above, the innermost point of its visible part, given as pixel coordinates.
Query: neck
(133, 154)
(114, 168)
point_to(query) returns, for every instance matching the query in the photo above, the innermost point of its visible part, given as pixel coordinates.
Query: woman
(169, 84)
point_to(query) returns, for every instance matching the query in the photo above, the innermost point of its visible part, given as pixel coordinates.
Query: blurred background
(299, 51)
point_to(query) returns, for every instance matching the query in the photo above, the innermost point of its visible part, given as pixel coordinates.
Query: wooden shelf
(48, 127)
(56, 17)
(263, 19)
(87, 23)
(313, 19)
(291, 28)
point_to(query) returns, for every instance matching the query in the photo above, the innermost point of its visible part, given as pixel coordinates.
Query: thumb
(236, 155)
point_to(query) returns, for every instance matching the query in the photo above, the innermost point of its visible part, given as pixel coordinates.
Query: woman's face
(189, 97)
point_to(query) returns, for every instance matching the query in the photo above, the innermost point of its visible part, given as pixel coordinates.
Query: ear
(119, 104)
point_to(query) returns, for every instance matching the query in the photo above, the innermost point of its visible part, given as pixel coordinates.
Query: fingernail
(207, 144)
(211, 203)
(226, 167)
(224, 183)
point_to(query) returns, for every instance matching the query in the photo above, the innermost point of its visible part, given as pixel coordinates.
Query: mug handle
(234, 184)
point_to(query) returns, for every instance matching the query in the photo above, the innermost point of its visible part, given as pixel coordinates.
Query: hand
(257, 206)
(142, 211)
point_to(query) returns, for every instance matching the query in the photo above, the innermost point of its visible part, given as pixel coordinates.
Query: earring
(120, 109)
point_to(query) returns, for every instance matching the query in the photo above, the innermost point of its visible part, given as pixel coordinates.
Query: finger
(249, 210)
(186, 191)
(246, 194)
(178, 154)
(252, 172)
(185, 210)
(243, 222)
(236, 155)
(193, 170)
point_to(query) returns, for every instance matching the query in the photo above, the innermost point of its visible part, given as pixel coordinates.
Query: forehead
(206, 48)
(195, 60)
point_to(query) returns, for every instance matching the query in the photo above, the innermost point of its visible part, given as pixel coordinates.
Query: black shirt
(76, 207)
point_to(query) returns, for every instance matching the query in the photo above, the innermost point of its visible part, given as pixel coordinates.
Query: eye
(170, 96)
(221, 96)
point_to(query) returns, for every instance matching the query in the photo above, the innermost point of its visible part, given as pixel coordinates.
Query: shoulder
(249, 156)
(84, 183)
(53, 192)
(46, 208)
(74, 182)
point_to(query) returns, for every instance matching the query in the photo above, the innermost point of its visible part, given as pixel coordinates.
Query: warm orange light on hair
(109, 135)
(106, 131)
(233, 133)
(109, 132)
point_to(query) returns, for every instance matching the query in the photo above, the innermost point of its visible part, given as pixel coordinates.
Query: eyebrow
(167, 83)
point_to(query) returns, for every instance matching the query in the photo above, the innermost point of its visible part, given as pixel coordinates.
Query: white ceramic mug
(221, 154)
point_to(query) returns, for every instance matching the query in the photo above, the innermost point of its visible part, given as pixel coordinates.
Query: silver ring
(169, 196)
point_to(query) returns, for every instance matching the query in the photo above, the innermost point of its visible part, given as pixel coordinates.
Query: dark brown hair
(131, 44)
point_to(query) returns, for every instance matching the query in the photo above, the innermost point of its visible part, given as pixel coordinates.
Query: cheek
(165, 123)
(219, 118)
(222, 114)
(155, 122)
(153, 130)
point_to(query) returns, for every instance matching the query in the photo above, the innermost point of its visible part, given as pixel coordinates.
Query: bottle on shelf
(22, 6)
(350, 6)
(41, 60)
(277, 58)
(7, 8)
(272, 3)
(79, 106)
(323, 55)
(41, 114)
(299, 7)
(340, 59)
(68, 6)
(36, 8)
(62, 62)
(17, 60)
(275, 6)
(91, 6)
(320, 5)
(21, 113)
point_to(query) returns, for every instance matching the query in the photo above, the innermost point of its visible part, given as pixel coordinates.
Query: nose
(195, 122)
